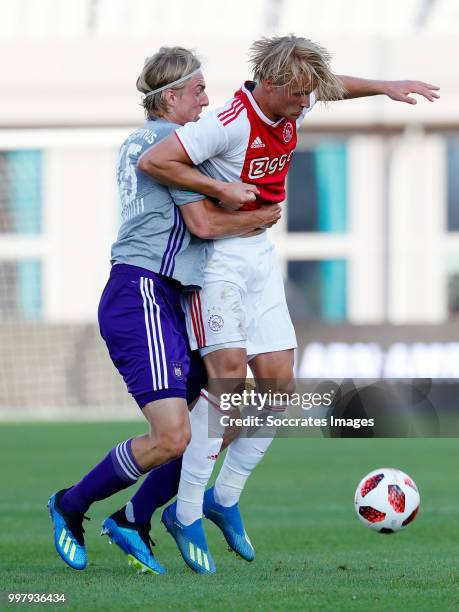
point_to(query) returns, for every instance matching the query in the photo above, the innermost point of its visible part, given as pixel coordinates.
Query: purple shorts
(143, 325)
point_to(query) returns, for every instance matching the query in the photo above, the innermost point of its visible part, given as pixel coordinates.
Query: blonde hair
(166, 66)
(286, 60)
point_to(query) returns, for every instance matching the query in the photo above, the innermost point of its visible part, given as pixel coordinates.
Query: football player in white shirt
(243, 151)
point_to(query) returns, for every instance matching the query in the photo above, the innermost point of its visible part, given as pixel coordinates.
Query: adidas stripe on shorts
(143, 325)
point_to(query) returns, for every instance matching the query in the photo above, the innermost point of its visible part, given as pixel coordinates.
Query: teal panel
(29, 289)
(333, 295)
(331, 173)
(25, 195)
(25, 186)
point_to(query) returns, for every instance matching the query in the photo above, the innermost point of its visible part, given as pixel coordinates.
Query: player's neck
(172, 118)
(260, 98)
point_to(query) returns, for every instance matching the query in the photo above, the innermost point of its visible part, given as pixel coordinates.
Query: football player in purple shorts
(160, 253)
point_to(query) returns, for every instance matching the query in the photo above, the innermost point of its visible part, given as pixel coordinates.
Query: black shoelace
(144, 533)
(75, 524)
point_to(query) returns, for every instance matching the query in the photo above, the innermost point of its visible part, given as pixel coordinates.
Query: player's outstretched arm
(396, 90)
(168, 163)
(206, 220)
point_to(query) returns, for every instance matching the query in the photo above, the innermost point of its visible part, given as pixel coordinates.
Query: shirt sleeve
(185, 197)
(312, 101)
(203, 139)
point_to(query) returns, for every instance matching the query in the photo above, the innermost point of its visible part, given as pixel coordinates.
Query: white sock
(242, 457)
(198, 460)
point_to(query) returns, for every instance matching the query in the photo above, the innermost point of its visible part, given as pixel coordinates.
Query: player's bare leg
(277, 365)
(226, 363)
(231, 364)
(125, 463)
(169, 433)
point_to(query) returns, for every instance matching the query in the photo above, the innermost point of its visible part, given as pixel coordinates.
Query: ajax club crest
(216, 323)
(287, 134)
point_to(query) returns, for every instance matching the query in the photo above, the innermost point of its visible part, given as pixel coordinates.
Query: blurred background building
(369, 241)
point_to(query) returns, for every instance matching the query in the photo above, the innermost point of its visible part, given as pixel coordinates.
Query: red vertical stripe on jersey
(228, 111)
(193, 320)
(196, 318)
(198, 296)
(231, 110)
(230, 115)
(233, 116)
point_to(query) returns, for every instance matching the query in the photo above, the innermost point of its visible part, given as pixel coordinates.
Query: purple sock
(159, 487)
(117, 471)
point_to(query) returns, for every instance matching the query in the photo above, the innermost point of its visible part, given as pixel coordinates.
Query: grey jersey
(153, 234)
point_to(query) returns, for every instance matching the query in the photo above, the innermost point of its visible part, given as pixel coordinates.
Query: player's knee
(284, 377)
(287, 385)
(233, 367)
(227, 363)
(173, 444)
(281, 371)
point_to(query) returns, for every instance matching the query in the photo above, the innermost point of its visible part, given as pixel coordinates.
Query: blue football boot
(68, 533)
(134, 540)
(229, 520)
(191, 541)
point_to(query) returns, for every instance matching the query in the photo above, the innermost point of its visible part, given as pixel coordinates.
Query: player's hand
(235, 195)
(400, 91)
(269, 214)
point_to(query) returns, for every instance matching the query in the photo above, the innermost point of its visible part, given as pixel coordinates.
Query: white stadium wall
(91, 82)
(75, 101)
(72, 86)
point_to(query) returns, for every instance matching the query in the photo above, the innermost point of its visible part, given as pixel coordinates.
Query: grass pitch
(312, 552)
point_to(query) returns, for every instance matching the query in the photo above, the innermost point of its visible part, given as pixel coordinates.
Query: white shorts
(242, 302)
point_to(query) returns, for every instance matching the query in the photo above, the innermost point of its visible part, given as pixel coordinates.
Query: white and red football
(387, 500)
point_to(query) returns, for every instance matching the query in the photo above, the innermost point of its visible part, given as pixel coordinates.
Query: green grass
(312, 552)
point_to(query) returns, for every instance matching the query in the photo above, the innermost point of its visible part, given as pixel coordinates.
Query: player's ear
(170, 97)
(268, 85)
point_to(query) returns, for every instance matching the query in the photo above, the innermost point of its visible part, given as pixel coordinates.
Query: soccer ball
(387, 500)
